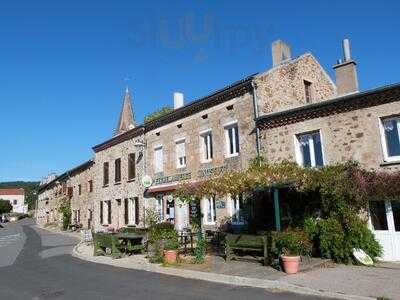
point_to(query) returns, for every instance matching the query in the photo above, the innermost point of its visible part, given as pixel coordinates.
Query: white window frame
(206, 148)
(386, 157)
(158, 168)
(234, 210)
(131, 211)
(105, 212)
(227, 127)
(180, 164)
(208, 203)
(160, 207)
(299, 154)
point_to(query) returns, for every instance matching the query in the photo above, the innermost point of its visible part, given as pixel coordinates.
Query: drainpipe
(256, 115)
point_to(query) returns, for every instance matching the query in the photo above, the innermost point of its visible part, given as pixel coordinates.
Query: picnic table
(117, 243)
(130, 241)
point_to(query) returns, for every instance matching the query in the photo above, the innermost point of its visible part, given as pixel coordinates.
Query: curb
(221, 278)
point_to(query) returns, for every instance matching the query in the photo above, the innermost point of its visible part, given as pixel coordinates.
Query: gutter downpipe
(256, 115)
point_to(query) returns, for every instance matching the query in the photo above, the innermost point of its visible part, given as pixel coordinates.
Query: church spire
(126, 118)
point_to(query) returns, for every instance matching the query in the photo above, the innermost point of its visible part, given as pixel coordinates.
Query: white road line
(9, 239)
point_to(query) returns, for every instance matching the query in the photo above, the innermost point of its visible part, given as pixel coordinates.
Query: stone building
(80, 187)
(215, 133)
(119, 167)
(359, 126)
(74, 186)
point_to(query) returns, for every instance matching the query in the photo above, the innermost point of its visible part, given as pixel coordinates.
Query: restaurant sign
(173, 178)
(211, 171)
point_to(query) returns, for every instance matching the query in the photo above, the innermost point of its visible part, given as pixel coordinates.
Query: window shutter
(109, 212)
(136, 210)
(126, 211)
(101, 212)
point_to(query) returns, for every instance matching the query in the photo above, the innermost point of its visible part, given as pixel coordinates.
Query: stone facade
(126, 188)
(353, 135)
(81, 196)
(239, 110)
(50, 197)
(282, 87)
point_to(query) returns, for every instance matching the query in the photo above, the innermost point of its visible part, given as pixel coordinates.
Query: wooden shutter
(109, 211)
(132, 166)
(126, 211)
(101, 212)
(136, 200)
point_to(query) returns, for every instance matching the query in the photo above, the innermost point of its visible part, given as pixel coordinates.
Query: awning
(167, 187)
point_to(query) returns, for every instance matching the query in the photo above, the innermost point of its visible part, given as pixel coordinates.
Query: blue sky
(63, 64)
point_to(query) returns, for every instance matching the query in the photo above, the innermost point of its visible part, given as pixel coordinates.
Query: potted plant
(171, 247)
(293, 244)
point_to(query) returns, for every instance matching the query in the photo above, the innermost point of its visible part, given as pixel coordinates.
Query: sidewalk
(342, 282)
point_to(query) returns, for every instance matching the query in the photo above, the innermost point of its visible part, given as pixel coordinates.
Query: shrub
(293, 242)
(336, 240)
(162, 236)
(201, 247)
(65, 210)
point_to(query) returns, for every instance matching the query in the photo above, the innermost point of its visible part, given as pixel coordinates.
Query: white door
(385, 223)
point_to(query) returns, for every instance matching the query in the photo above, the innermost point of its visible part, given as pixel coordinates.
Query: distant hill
(30, 187)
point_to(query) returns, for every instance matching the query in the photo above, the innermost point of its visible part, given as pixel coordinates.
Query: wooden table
(133, 241)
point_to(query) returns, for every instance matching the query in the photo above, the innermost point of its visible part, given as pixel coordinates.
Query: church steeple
(126, 118)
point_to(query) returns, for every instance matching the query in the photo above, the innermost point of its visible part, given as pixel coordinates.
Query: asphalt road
(36, 264)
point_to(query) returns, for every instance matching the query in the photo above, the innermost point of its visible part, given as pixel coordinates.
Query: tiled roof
(12, 191)
(231, 91)
(374, 97)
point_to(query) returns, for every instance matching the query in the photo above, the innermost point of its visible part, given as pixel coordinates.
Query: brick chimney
(280, 52)
(346, 72)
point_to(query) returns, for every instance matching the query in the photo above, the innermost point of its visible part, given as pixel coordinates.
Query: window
(378, 215)
(209, 211)
(158, 159)
(180, 154)
(131, 166)
(206, 146)
(396, 214)
(105, 212)
(15, 202)
(79, 189)
(132, 211)
(308, 91)
(105, 174)
(117, 164)
(90, 183)
(390, 132)
(232, 140)
(160, 207)
(309, 149)
(236, 207)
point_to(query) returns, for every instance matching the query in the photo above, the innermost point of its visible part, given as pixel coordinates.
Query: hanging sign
(147, 181)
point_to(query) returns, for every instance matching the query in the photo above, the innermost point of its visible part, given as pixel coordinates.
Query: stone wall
(354, 135)
(282, 87)
(239, 109)
(122, 190)
(84, 201)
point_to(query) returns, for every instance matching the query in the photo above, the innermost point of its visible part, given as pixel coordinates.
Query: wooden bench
(246, 242)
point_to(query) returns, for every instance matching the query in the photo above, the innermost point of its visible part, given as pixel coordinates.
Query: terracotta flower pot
(170, 256)
(290, 264)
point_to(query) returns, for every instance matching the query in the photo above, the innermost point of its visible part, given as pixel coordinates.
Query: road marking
(9, 239)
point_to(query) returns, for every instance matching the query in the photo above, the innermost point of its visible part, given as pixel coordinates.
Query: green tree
(157, 114)
(5, 206)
